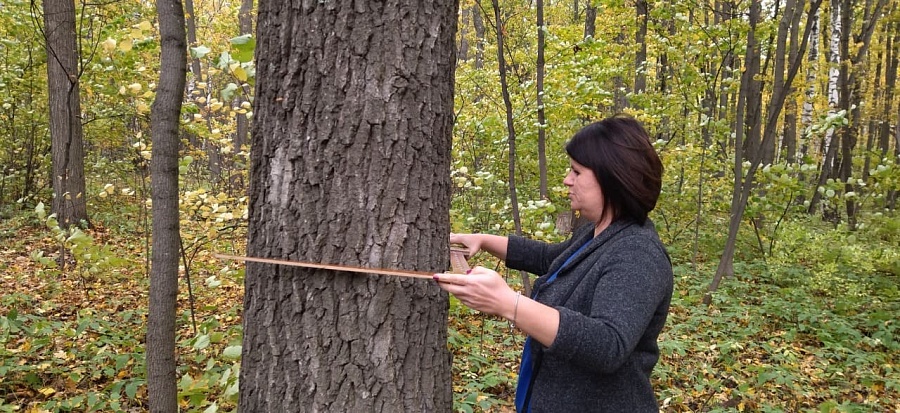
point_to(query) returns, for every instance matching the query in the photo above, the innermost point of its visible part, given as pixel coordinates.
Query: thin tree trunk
(642, 8)
(750, 87)
(852, 73)
(830, 140)
(620, 92)
(164, 121)
(806, 116)
(478, 23)
(67, 136)
(743, 120)
(789, 141)
(590, 20)
(511, 133)
(542, 119)
(242, 129)
(213, 156)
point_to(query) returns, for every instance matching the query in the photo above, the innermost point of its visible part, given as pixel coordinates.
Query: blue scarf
(526, 369)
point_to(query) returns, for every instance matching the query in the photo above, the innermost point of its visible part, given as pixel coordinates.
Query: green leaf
(186, 382)
(224, 60)
(40, 211)
(244, 47)
(228, 92)
(231, 390)
(131, 389)
(199, 52)
(242, 39)
(202, 342)
(232, 352)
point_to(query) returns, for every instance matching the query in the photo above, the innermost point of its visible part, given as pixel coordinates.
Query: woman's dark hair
(618, 151)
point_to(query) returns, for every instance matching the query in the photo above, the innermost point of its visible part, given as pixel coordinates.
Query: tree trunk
(885, 135)
(806, 115)
(542, 119)
(829, 140)
(511, 134)
(590, 20)
(753, 145)
(620, 90)
(478, 23)
(242, 128)
(67, 147)
(789, 141)
(642, 9)
(164, 120)
(213, 156)
(744, 121)
(465, 17)
(350, 164)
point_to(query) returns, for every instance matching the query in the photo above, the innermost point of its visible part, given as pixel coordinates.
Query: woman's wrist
(512, 306)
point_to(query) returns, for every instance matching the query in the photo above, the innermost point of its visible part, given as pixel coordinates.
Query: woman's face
(584, 191)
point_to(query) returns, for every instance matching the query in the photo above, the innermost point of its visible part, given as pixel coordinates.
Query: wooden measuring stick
(458, 260)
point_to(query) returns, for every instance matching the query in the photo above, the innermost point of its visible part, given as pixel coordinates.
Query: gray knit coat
(613, 299)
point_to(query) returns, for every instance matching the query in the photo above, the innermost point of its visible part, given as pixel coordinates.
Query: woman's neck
(602, 224)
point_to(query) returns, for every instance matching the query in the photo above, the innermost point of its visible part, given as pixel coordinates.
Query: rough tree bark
(66, 133)
(164, 120)
(350, 164)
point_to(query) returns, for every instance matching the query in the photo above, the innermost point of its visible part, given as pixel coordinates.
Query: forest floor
(72, 340)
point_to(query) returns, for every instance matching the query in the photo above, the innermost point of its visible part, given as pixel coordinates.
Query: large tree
(350, 164)
(66, 133)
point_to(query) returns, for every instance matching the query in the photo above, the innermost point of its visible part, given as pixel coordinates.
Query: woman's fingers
(470, 241)
(450, 279)
(481, 289)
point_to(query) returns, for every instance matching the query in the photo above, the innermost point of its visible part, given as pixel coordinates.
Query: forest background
(778, 124)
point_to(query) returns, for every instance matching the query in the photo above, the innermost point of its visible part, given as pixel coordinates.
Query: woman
(602, 300)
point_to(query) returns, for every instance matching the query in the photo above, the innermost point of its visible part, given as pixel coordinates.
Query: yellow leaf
(136, 34)
(47, 391)
(145, 26)
(109, 44)
(126, 45)
(240, 73)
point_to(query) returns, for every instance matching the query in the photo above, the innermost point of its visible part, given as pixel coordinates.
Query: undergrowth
(810, 327)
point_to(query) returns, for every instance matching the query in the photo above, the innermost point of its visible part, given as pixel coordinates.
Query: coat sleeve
(533, 256)
(633, 282)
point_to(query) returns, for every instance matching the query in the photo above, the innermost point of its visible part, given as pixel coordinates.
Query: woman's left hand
(481, 289)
